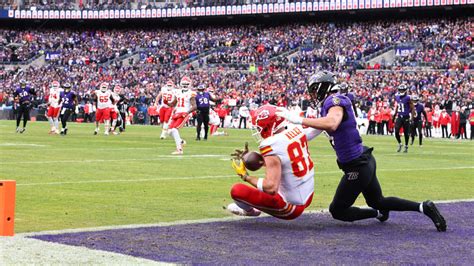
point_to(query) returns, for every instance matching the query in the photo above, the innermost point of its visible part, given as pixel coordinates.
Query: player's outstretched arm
(312, 133)
(328, 123)
(193, 105)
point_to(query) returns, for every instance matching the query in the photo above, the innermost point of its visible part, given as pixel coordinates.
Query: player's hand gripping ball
(250, 159)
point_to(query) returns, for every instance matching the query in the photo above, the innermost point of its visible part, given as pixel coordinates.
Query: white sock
(51, 122)
(421, 207)
(177, 138)
(56, 123)
(114, 123)
(107, 126)
(379, 214)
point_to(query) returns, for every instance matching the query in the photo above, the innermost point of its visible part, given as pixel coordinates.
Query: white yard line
(156, 158)
(22, 144)
(219, 176)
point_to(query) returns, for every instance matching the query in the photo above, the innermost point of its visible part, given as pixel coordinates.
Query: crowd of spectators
(271, 79)
(439, 43)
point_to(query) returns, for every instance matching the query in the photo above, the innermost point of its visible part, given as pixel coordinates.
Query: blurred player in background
(418, 121)
(54, 98)
(104, 102)
(166, 96)
(215, 121)
(122, 106)
(68, 106)
(114, 111)
(185, 102)
(404, 107)
(288, 186)
(353, 158)
(22, 97)
(203, 103)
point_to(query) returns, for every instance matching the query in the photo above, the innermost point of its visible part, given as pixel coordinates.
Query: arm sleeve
(311, 133)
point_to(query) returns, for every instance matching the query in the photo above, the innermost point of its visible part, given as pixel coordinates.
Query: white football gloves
(292, 117)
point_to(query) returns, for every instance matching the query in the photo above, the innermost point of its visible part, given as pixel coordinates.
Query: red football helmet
(185, 83)
(266, 122)
(169, 83)
(55, 85)
(117, 89)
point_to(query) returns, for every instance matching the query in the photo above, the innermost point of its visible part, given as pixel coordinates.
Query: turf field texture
(81, 180)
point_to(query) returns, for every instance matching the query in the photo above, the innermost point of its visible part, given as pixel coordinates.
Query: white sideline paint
(23, 250)
(219, 176)
(19, 250)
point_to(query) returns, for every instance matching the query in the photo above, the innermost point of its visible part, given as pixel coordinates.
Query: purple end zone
(406, 238)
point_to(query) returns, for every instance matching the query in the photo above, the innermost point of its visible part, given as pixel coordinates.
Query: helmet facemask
(319, 91)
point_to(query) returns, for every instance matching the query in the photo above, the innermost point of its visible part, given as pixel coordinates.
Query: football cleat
(106, 133)
(17, 130)
(116, 133)
(406, 149)
(234, 209)
(177, 152)
(399, 147)
(430, 210)
(383, 215)
(198, 139)
(65, 131)
(22, 130)
(95, 132)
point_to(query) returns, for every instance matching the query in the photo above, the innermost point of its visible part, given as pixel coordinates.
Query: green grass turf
(132, 179)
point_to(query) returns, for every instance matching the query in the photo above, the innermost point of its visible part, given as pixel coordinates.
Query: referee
(355, 160)
(203, 99)
(22, 96)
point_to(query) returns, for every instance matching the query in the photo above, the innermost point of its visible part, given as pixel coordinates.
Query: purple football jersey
(346, 139)
(24, 94)
(403, 103)
(67, 99)
(419, 107)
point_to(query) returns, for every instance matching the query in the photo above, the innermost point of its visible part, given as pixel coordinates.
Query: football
(253, 160)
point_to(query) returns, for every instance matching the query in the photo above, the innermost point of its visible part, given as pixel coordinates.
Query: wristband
(260, 184)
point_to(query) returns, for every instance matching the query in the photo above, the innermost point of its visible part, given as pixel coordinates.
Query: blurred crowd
(248, 65)
(441, 43)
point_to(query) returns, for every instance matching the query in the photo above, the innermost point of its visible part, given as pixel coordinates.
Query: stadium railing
(229, 10)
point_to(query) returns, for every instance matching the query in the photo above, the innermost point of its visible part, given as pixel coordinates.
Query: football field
(81, 180)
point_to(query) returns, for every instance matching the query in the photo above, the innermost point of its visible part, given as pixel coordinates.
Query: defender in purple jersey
(68, 106)
(203, 103)
(22, 97)
(403, 110)
(417, 124)
(355, 160)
